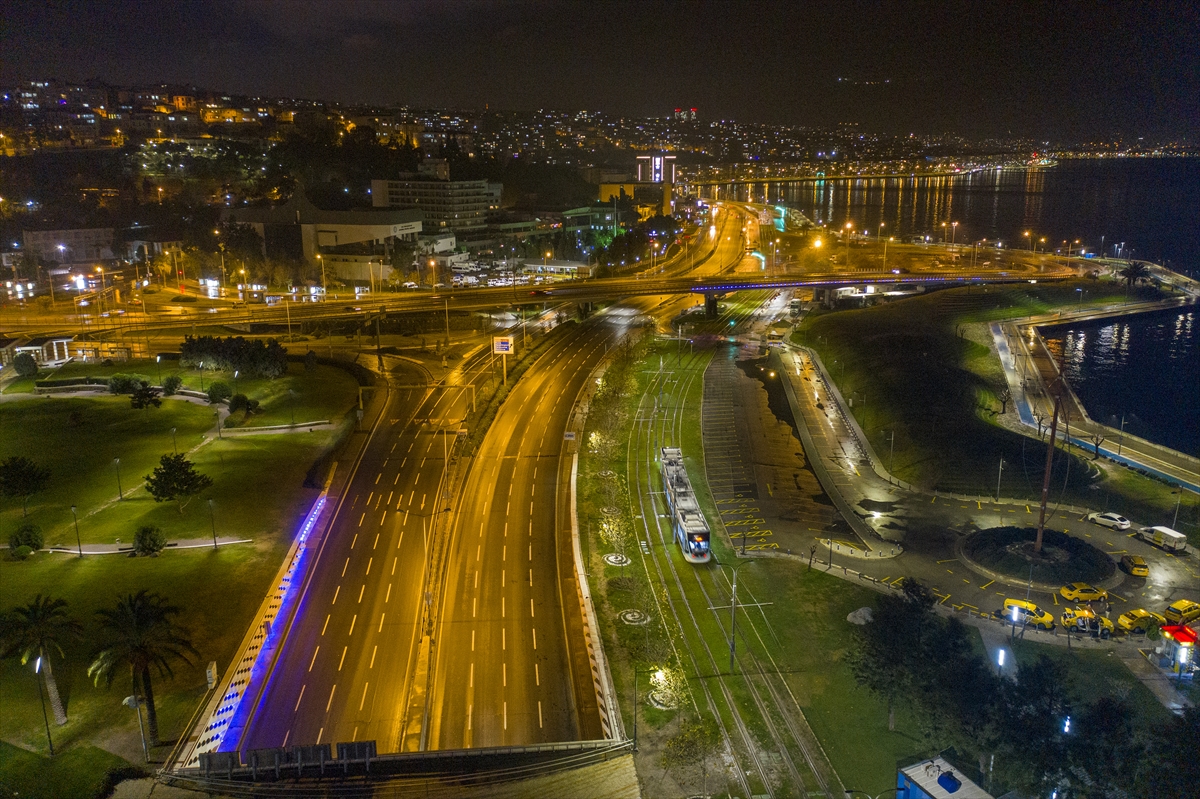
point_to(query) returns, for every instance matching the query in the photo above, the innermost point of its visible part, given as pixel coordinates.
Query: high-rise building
(458, 206)
(657, 168)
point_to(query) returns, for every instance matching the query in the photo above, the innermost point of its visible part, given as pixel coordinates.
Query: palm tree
(1134, 272)
(39, 630)
(139, 633)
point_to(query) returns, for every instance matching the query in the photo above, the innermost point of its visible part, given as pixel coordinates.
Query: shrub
(149, 540)
(21, 552)
(122, 384)
(219, 391)
(240, 402)
(171, 384)
(28, 535)
(310, 361)
(25, 365)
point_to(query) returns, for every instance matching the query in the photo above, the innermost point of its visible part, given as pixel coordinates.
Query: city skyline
(1069, 71)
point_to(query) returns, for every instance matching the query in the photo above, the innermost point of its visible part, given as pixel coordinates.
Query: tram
(691, 528)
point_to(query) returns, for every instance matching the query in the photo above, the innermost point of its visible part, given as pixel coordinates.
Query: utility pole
(1037, 547)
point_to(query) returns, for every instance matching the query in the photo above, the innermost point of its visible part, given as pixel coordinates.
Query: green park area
(262, 485)
(925, 369)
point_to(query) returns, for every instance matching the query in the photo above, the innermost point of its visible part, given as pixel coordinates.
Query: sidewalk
(1032, 398)
(127, 548)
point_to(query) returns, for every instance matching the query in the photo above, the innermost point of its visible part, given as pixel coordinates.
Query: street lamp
(120, 493)
(37, 673)
(78, 543)
(212, 521)
(324, 290)
(1030, 240)
(953, 225)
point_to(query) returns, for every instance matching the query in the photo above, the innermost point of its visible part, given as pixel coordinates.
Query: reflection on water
(1144, 367)
(1149, 205)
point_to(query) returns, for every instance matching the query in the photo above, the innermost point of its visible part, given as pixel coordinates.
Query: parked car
(1114, 520)
(1135, 565)
(1082, 592)
(1139, 620)
(1182, 612)
(1021, 611)
(1086, 620)
(1164, 538)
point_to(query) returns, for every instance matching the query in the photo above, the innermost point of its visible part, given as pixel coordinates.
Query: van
(1021, 611)
(1182, 612)
(1164, 537)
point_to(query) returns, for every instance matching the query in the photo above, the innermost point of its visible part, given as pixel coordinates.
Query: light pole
(733, 614)
(202, 377)
(37, 673)
(324, 290)
(1030, 240)
(78, 542)
(120, 493)
(212, 520)
(174, 443)
(998, 475)
(885, 244)
(953, 226)
(849, 227)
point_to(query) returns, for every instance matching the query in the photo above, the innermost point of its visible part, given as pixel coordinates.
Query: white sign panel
(502, 345)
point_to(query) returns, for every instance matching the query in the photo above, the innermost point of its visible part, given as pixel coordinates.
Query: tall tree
(1134, 272)
(21, 477)
(39, 629)
(139, 632)
(176, 480)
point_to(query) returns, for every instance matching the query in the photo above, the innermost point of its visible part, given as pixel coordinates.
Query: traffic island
(1009, 552)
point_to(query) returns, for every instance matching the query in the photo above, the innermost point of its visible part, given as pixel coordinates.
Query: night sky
(1051, 70)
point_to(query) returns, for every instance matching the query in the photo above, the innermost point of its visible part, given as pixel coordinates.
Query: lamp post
(37, 673)
(78, 542)
(998, 475)
(849, 227)
(324, 290)
(953, 225)
(202, 377)
(885, 245)
(1030, 240)
(120, 493)
(212, 520)
(174, 443)
(733, 614)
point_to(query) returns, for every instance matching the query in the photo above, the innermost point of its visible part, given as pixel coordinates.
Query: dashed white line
(345, 566)
(328, 704)
(336, 591)
(362, 701)
(360, 592)
(343, 659)
(389, 593)
(352, 624)
(369, 562)
(314, 658)
(326, 624)
(376, 649)
(381, 618)
(301, 696)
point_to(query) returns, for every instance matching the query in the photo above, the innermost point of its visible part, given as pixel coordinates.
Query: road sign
(211, 674)
(569, 435)
(502, 345)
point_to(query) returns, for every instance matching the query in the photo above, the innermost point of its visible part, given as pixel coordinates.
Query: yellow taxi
(1135, 565)
(1021, 611)
(1139, 620)
(1183, 611)
(1082, 592)
(1086, 620)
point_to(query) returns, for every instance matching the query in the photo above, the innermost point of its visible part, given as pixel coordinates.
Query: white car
(1113, 520)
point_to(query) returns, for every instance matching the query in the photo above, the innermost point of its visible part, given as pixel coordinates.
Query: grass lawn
(258, 493)
(80, 772)
(928, 373)
(326, 392)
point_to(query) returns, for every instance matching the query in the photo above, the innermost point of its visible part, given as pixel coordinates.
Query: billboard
(502, 345)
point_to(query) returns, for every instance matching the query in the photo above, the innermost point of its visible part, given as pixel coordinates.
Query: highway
(345, 672)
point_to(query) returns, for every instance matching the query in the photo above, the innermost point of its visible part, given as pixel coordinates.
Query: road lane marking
(360, 518)
(404, 522)
(506, 529)
(504, 553)
(469, 708)
(336, 591)
(394, 562)
(381, 618)
(474, 601)
(507, 507)
(504, 673)
(286, 735)
(537, 675)
(314, 657)
(539, 714)
(327, 706)
(472, 640)
(345, 566)
(369, 562)
(352, 620)
(423, 496)
(389, 593)
(502, 607)
(531, 507)
(477, 546)
(360, 593)
(381, 520)
(354, 541)
(320, 732)
(531, 616)
(377, 479)
(503, 578)
(503, 638)
(471, 676)
(411, 494)
(394, 482)
(534, 628)
(326, 624)
(506, 715)
(343, 660)
(370, 497)
(985, 585)
(476, 579)
(297, 707)
(401, 466)
(531, 578)
(362, 701)
(531, 548)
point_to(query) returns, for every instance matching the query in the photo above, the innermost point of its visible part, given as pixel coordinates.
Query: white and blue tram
(691, 528)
